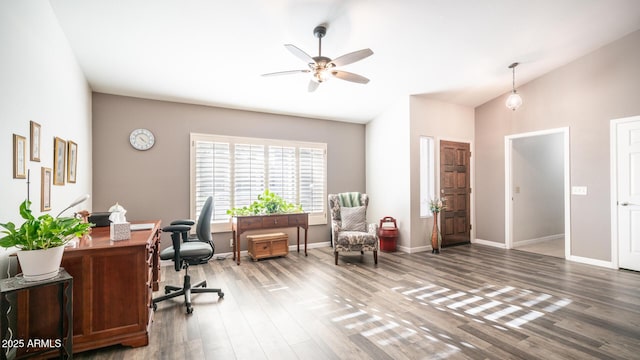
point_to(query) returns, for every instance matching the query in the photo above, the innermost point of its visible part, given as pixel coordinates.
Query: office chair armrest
(176, 228)
(185, 235)
(176, 231)
(183, 222)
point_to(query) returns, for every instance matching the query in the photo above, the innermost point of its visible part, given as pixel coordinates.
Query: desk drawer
(250, 222)
(298, 219)
(275, 221)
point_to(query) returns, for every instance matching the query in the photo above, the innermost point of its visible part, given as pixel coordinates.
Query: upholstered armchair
(349, 228)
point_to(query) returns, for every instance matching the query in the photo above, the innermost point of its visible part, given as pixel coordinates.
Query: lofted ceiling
(213, 52)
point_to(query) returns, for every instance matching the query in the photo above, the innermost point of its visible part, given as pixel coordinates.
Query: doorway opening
(537, 192)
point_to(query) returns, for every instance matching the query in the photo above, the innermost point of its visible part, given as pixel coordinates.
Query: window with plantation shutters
(236, 170)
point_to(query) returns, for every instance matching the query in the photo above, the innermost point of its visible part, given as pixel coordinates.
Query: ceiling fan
(322, 67)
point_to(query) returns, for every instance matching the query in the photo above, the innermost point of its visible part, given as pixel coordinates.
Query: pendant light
(514, 100)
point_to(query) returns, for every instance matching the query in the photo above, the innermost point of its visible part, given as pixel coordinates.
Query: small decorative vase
(435, 235)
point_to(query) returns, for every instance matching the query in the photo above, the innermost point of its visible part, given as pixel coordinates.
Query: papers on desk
(135, 227)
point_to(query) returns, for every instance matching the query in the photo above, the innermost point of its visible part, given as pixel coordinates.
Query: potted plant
(40, 241)
(267, 203)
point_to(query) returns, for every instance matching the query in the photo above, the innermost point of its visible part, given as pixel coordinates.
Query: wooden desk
(112, 292)
(240, 224)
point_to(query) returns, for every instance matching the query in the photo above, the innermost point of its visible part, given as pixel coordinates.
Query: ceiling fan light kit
(514, 100)
(322, 68)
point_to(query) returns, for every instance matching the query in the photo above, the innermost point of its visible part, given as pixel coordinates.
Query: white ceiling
(213, 52)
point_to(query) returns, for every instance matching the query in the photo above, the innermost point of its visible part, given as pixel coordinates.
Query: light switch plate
(579, 190)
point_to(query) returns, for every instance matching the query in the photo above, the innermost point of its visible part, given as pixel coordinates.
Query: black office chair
(190, 251)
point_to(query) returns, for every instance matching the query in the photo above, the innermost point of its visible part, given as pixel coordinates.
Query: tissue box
(120, 231)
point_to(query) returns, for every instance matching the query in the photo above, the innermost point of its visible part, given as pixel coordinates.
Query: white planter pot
(40, 264)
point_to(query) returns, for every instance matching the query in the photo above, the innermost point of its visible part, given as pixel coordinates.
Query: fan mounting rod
(320, 31)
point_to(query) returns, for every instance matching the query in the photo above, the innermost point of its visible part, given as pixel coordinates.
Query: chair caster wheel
(221, 295)
(155, 306)
(204, 284)
(189, 310)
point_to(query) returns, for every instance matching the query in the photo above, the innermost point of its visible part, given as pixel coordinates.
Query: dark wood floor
(469, 302)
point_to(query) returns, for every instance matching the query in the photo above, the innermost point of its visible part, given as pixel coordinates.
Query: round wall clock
(142, 139)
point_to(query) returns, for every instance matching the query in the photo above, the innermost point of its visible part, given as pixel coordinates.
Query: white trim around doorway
(508, 145)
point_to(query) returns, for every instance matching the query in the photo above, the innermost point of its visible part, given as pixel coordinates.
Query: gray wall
(154, 184)
(584, 96)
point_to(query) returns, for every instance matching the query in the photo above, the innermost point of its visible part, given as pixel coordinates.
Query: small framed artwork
(19, 157)
(45, 189)
(35, 141)
(59, 160)
(72, 161)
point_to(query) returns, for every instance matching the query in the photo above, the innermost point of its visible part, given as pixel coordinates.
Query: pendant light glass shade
(514, 100)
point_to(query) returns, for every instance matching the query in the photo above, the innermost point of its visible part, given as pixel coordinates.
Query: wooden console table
(240, 224)
(112, 293)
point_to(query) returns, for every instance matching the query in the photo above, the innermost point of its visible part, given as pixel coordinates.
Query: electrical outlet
(579, 190)
(231, 243)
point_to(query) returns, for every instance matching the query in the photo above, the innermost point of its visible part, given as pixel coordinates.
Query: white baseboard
(589, 261)
(538, 240)
(310, 245)
(411, 250)
(489, 243)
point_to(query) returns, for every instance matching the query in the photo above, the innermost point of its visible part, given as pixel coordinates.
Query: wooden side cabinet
(112, 293)
(268, 245)
(15, 347)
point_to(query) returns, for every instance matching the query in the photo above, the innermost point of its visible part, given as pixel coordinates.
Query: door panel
(628, 143)
(455, 189)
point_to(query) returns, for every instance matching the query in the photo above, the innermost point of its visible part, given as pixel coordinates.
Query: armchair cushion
(354, 218)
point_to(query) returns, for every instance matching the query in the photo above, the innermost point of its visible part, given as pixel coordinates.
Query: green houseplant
(268, 203)
(42, 236)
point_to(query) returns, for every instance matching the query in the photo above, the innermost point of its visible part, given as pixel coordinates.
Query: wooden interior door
(455, 220)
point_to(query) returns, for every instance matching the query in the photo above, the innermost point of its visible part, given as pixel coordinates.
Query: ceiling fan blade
(300, 54)
(351, 57)
(313, 85)
(288, 72)
(344, 75)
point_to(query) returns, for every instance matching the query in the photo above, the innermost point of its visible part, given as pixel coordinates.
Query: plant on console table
(268, 203)
(40, 241)
(436, 206)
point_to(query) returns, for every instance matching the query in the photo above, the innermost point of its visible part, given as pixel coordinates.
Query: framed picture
(45, 189)
(19, 157)
(59, 160)
(35, 141)
(72, 161)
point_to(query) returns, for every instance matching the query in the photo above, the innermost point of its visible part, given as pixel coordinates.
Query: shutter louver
(282, 172)
(249, 173)
(312, 179)
(213, 177)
